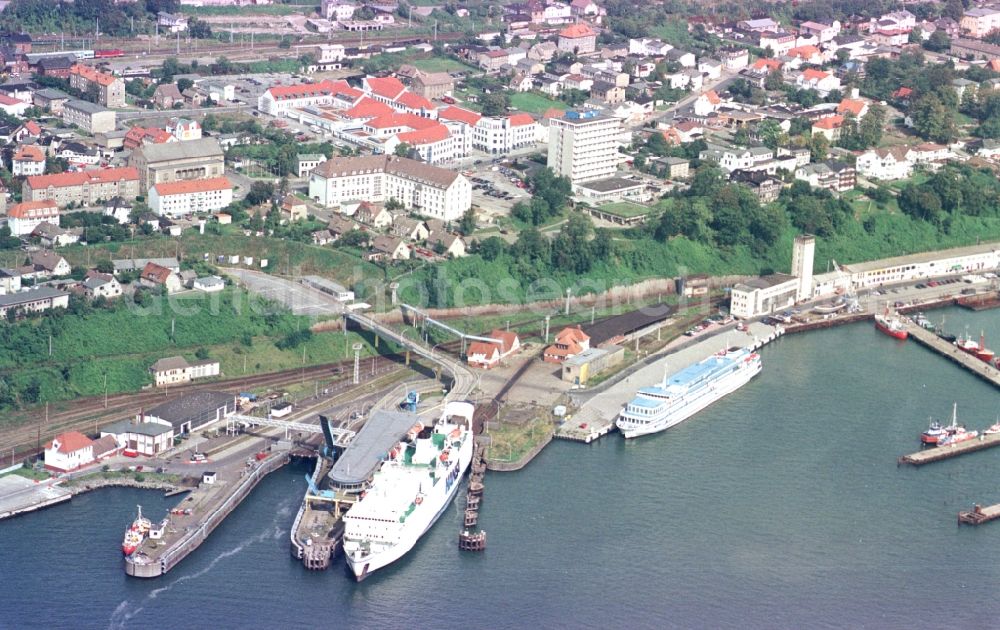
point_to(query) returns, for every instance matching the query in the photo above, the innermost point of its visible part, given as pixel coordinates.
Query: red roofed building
(508, 340)
(768, 65)
(806, 54)
(12, 106)
(278, 100)
(179, 198)
(23, 218)
(83, 187)
(367, 108)
(29, 159)
(154, 275)
(385, 89)
(412, 102)
(483, 354)
(829, 127)
(578, 38)
(69, 451)
(570, 342)
(138, 136)
(854, 106)
(109, 89)
(822, 82)
(902, 94)
(457, 114)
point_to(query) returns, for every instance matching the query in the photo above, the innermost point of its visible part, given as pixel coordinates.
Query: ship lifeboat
(413, 432)
(455, 434)
(394, 453)
(418, 500)
(444, 457)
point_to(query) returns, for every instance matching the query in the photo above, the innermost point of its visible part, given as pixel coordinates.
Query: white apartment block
(176, 199)
(435, 192)
(583, 146)
(504, 134)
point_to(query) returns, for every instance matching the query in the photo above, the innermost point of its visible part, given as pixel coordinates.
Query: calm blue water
(779, 507)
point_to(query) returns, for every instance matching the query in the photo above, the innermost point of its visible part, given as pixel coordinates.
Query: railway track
(86, 413)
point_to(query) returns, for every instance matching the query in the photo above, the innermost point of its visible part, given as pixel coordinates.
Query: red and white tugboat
(890, 325)
(956, 434)
(136, 533)
(934, 433)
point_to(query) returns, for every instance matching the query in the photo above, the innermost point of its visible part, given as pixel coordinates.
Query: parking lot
(496, 191)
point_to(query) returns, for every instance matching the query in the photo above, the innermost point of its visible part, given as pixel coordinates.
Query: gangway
(427, 319)
(343, 436)
(463, 378)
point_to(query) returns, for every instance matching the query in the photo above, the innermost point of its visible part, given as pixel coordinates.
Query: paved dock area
(19, 495)
(979, 514)
(597, 410)
(937, 453)
(948, 350)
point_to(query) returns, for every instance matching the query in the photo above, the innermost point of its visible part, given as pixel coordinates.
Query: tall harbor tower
(803, 253)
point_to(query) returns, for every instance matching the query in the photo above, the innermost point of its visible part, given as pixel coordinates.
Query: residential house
(451, 245)
(822, 32)
(373, 214)
(433, 85)
(167, 95)
(388, 248)
(154, 275)
(822, 82)
(607, 92)
(12, 106)
(47, 263)
(711, 68)
(778, 42)
(179, 198)
(734, 59)
(29, 159)
(853, 106)
(307, 162)
(766, 187)
(69, 451)
(885, 164)
(53, 236)
(677, 168)
(832, 175)
(294, 209)
(707, 103)
(684, 58)
(184, 129)
(409, 228)
(928, 152)
(103, 285)
(578, 39)
(483, 354)
(209, 284)
(569, 342)
(829, 127)
(978, 22)
(50, 99)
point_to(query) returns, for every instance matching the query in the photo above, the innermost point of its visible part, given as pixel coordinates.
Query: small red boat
(890, 326)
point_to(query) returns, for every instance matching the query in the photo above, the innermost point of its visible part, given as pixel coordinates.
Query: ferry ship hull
(885, 328)
(367, 554)
(690, 406)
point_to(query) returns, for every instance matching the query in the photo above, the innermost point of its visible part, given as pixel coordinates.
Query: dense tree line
(952, 191)
(82, 16)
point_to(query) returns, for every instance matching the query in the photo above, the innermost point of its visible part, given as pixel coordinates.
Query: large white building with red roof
(175, 199)
(23, 218)
(69, 451)
(278, 100)
(578, 38)
(83, 187)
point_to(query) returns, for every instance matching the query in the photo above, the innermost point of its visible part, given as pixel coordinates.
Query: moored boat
(890, 325)
(135, 533)
(956, 434)
(659, 407)
(411, 489)
(933, 434)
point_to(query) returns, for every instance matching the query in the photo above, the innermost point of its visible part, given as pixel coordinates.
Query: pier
(979, 514)
(930, 340)
(938, 453)
(469, 539)
(209, 505)
(19, 495)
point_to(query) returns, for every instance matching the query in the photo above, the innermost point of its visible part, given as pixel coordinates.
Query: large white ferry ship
(687, 392)
(410, 491)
